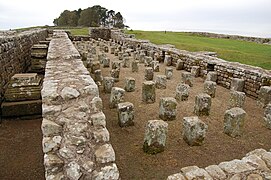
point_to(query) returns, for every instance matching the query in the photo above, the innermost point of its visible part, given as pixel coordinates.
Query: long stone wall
(15, 52)
(75, 139)
(254, 77)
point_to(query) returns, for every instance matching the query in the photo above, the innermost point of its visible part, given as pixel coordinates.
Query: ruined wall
(100, 32)
(75, 139)
(254, 77)
(235, 37)
(15, 51)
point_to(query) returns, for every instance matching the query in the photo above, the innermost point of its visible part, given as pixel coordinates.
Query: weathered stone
(148, 74)
(141, 57)
(210, 88)
(115, 73)
(148, 61)
(235, 167)
(69, 93)
(101, 135)
(67, 153)
(155, 136)
(126, 114)
(215, 172)
(169, 72)
(108, 83)
(211, 76)
(117, 95)
(51, 143)
(187, 78)
(194, 131)
(177, 176)
(237, 99)
(52, 163)
(267, 116)
(234, 120)
(182, 92)
(194, 172)
(203, 104)
(108, 172)
(105, 154)
(73, 171)
(255, 161)
(237, 84)
(155, 66)
(254, 177)
(160, 82)
(98, 120)
(116, 64)
(98, 78)
(126, 62)
(95, 65)
(195, 70)
(135, 66)
(112, 49)
(50, 128)
(267, 159)
(179, 64)
(106, 62)
(167, 108)
(148, 92)
(129, 84)
(168, 60)
(264, 97)
(120, 55)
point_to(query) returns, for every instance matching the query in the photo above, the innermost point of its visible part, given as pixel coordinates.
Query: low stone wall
(15, 53)
(75, 139)
(100, 32)
(254, 77)
(255, 165)
(236, 37)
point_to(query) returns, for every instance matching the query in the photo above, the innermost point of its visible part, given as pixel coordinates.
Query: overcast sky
(245, 17)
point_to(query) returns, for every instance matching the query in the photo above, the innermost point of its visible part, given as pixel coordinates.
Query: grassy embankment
(230, 50)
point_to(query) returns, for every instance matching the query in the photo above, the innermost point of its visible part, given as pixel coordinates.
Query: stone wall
(75, 139)
(15, 52)
(236, 37)
(254, 77)
(100, 32)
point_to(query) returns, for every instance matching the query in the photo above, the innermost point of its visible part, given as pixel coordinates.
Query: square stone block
(148, 92)
(126, 114)
(161, 82)
(237, 84)
(264, 97)
(129, 84)
(187, 78)
(234, 120)
(167, 108)
(203, 104)
(182, 92)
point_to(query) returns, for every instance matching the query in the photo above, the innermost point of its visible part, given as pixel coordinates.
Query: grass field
(230, 50)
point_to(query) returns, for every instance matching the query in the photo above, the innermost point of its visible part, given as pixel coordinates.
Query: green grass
(230, 50)
(78, 31)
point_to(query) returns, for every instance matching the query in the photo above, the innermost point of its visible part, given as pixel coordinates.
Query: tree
(110, 18)
(119, 21)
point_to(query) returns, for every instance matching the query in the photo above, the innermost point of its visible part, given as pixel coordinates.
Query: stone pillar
(195, 70)
(264, 96)
(210, 88)
(187, 78)
(116, 52)
(148, 92)
(148, 74)
(120, 55)
(211, 76)
(98, 78)
(267, 116)
(237, 84)
(169, 72)
(161, 82)
(126, 114)
(106, 62)
(168, 60)
(116, 97)
(126, 62)
(182, 92)
(179, 64)
(112, 49)
(95, 65)
(202, 104)
(141, 57)
(234, 121)
(106, 49)
(116, 65)
(167, 108)
(194, 131)
(129, 84)
(155, 66)
(237, 99)
(108, 83)
(115, 73)
(135, 66)
(155, 136)
(148, 61)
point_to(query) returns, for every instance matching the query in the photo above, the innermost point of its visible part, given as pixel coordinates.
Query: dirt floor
(21, 156)
(133, 163)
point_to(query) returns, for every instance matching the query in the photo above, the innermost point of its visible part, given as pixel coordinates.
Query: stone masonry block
(126, 114)
(135, 66)
(267, 116)
(264, 97)
(148, 92)
(210, 88)
(234, 120)
(168, 60)
(195, 70)
(187, 78)
(237, 84)
(180, 64)
(148, 74)
(237, 99)
(155, 66)
(129, 84)
(117, 95)
(167, 108)
(194, 131)
(161, 82)
(108, 83)
(182, 92)
(155, 136)
(211, 76)
(202, 104)
(169, 72)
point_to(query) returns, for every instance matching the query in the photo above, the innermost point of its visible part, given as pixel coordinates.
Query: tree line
(90, 17)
